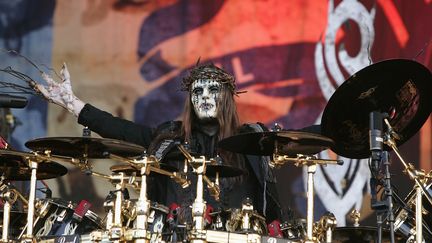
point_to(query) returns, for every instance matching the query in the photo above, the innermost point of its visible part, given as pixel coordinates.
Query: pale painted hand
(61, 93)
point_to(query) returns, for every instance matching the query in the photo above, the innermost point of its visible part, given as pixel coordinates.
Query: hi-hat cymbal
(14, 168)
(223, 171)
(89, 147)
(402, 88)
(289, 143)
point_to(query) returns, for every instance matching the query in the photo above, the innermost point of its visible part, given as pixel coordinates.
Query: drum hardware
(129, 212)
(199, 205)
(406, 220)
(355, 217)
(9, 197)
(397, 91)
(419, 177)
(246, 220)
(310, 162)
(286, 146)
(145, 165)
(294, 230)
(32, 160)
(324, 227)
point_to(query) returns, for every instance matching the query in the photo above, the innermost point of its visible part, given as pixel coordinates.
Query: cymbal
(89, 147)
(129, 169)
(223, 170)
(14, 168)
(401, 88)
(362, 234)
(289, 143)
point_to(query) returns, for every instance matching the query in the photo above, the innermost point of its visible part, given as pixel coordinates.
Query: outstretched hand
(61, 93)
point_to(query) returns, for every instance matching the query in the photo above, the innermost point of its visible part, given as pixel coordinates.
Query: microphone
(375, 138)
(11, 101)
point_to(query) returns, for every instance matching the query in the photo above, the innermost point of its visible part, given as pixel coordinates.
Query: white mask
(204, 97)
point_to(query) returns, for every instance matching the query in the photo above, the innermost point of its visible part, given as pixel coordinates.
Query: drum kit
(393, 92)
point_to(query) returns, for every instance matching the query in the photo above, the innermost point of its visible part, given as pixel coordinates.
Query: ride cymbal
(85, 147)
(288, 143)
(401, 88)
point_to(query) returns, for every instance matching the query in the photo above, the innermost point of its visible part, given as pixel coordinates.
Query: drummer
(209, 115)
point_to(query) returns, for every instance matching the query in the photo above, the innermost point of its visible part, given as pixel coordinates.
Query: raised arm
(61, 93)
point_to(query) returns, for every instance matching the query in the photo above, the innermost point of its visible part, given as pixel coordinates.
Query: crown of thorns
(209, 71)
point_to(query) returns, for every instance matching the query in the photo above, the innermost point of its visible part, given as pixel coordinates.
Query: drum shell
(59, 213)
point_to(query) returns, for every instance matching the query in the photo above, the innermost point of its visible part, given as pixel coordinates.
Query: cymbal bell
(85, 147)
(288, 143)
(14, 168)
(399, 87)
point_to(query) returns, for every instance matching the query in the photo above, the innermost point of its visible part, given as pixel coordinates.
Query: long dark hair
(227, 116)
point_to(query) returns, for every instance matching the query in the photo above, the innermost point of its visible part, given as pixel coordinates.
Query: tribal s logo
(341, 188)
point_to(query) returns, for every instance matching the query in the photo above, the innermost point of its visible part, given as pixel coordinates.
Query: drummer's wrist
(75, 106)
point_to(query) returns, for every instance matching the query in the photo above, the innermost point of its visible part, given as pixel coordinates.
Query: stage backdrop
(128, 57)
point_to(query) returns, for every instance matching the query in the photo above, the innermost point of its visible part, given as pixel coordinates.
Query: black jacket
(259, 176)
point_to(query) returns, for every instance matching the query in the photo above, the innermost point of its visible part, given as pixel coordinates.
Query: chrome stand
(310, 202)
(311, 162)
(143, 206)
(146, 164)
(9, 196)
(419, 217)
(198, 234)
(418, 176)
(31, 202)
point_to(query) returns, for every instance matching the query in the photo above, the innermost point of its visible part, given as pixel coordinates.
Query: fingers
(43, 90)
(64, 72)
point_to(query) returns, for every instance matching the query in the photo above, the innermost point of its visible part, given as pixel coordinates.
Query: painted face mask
(204, 96)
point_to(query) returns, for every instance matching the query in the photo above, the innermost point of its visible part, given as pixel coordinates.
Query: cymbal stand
(31, 202)
(418, 176)
(9, 197)
(143, 204)
(116, 230)
(146, 164)
(199, 205)
(311, 162)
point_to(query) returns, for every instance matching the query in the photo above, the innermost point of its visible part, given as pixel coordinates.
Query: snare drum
(405, 221)
(55, 217)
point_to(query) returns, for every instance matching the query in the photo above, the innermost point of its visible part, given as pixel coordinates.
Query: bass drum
(405, 219)
(55, 217)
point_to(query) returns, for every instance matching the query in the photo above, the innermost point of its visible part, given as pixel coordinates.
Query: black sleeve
(108, 126)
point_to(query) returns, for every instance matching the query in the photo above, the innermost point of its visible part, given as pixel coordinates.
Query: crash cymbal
(402, 88)
(289, 143)
(14, 168)
(362, 234)
(223, 170)
(89, 147)
(129, 169)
